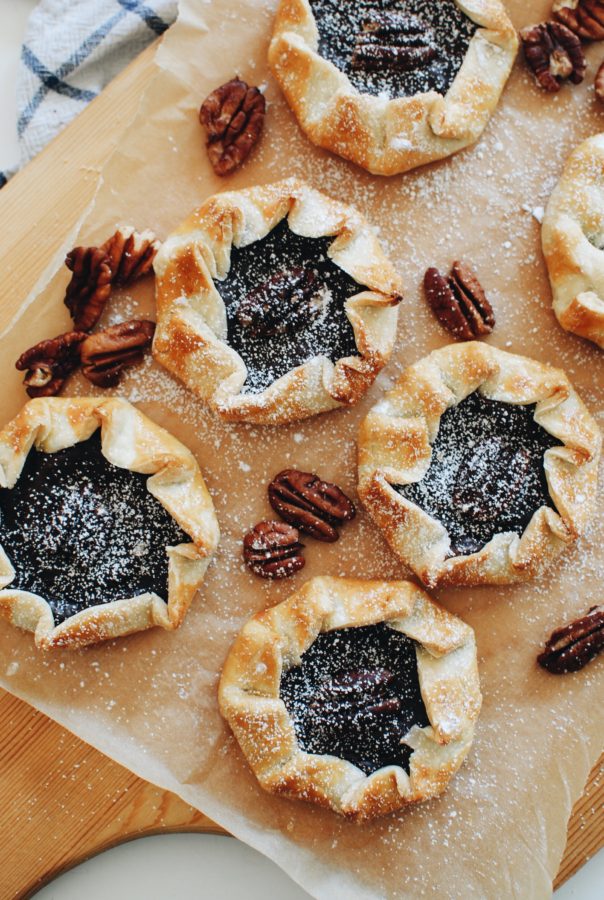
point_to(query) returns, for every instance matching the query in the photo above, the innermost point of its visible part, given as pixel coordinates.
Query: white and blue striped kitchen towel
(72, 49)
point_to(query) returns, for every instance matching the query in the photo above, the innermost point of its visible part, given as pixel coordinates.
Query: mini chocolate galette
(106, 526)
(479, 466)
(275, 303)
(392, 84)
(360, 696)
(573, 242)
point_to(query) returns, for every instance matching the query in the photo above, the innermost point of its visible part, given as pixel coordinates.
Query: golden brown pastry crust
(395, 448)
(131, 441)
(276, 639)
(190, 339)
(574, 214)
(391, 136)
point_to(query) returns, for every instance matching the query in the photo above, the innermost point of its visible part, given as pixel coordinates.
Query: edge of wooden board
(50, 775)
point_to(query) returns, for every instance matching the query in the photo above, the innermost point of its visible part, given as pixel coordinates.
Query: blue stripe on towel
(54, 80)
(64, 60)
(155, 22)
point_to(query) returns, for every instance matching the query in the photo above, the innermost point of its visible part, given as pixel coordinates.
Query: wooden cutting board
(61, 800)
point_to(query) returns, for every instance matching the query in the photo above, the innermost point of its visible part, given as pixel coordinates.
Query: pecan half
(459, 302)
(234, 117)
(273, 550)
(90, 285)
(107, 353)
(599, 82)
(584, 17)
(348, 696)
(49, 363)
(315, 507)
(282, 304)
(393, 40)
(131, 253)
(553, 53)
(124, 257)
(571, 647)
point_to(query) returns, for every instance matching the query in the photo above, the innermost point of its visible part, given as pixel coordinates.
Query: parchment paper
(149, 701)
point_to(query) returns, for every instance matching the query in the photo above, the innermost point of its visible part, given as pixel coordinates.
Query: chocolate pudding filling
(81, 532)
(285, 301)
(486, 475)
(356, 695)
(394, 47)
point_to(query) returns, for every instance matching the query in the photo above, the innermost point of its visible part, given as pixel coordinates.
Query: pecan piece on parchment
(90, 285)
(273, 550)
(282, 304)
(553, 53)
(573, 646)
(315, 507)
(393, 40)
(233, 115)
(584, 17)
(124, 257)
(48, 364)
(459, 302)
(107, 353)
(131, 253)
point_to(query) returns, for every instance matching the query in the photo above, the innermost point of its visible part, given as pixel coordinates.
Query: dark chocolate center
(285, 300)
(81, 532)
(486, 475)
(396, 47)
(356, 695)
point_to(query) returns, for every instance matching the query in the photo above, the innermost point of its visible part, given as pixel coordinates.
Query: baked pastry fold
(573, 242)
(388, 136)
(191, 338)
(273, 641)
(395, 449)
(129, 441)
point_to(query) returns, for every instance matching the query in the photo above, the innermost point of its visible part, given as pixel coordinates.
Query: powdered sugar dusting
(486, 474)
(364, 725)
(329, 333)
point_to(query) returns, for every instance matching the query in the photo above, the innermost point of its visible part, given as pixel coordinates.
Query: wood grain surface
(61, 800)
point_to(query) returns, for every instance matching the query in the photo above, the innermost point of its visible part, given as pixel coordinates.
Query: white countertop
(187, 866)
